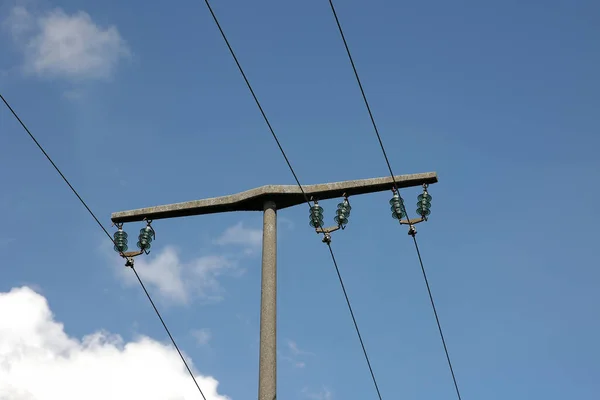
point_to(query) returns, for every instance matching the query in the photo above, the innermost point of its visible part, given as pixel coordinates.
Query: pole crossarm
(283, 195)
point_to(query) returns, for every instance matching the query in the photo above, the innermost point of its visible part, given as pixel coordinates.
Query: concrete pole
(254, 200)
(267, 367)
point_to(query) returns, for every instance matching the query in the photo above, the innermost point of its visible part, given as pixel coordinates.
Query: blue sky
(144, 106)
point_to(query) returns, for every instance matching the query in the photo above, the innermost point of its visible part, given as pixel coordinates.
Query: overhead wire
(364, 96)
(89, 210)
(266, 119)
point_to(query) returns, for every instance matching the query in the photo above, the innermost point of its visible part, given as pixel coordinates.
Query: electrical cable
(333, 10)
(437, 320)
(362, 91)
(262, 111)
(362, 344)
(107, 234)
(231, 51)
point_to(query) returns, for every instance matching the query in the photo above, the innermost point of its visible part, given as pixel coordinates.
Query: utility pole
(267, 199)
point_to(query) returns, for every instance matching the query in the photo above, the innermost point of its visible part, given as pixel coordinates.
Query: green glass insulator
(316, 216)
(397, 214)
(341, 220)
(397, 211)
(120, 239)
(343, 211)
(345, 204)
(423, 211)
(424, 205)
(396, 199)
(143, 245)
(316, 210)
(425, 196)
(120, 234)
(145, 235)
(147, 231)
(120, 248)
(316, 222)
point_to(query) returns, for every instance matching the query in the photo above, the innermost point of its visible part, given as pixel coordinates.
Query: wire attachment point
(412, 231)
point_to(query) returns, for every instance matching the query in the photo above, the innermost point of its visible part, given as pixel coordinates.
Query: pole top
(284, 196)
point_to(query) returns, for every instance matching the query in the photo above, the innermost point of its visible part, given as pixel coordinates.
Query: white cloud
(19, 22)
(202, 336)
(294, 362)
(56, 44)
(295, 352)
(39, 361)
(294, 349)
(323, 394)
(241, 236)
(178, 281)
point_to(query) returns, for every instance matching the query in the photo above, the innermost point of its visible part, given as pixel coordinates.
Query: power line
(264, 115)
(162, 321)
(107, 234)
(333, 10)
(262, 111)
(337, 270)
(362, 91)
(437, 320)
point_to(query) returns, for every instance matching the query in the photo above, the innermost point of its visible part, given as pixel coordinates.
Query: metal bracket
(412, 221)
(128, 256)
(327, 230)
(131, 254)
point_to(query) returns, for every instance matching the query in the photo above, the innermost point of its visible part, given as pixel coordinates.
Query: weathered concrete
(283, 195)
(267, 367)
